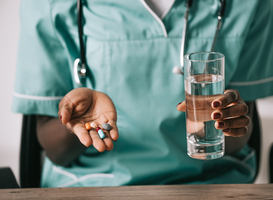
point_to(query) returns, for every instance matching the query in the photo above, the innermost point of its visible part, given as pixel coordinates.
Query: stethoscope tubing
(220, 14)
(183, 39)
(80, 68)
(80, 31)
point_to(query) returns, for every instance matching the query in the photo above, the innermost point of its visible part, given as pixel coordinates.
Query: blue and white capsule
(100, 133)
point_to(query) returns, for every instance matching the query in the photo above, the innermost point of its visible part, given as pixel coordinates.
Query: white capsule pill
(93, 125)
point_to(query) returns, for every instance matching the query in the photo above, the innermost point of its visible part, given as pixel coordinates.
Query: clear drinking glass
(204, 82)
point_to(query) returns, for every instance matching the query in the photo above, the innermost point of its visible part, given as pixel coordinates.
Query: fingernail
(61, 118)
(221, 124)
(179, 103)
(226, 130)
(216, 115)
(216, 104)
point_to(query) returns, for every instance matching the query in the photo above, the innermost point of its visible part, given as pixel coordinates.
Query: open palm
(83, 105)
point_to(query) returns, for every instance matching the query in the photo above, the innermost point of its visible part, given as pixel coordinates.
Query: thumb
(65, 110)
(181, 106)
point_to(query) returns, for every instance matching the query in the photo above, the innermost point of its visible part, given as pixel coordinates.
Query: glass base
(206, 151)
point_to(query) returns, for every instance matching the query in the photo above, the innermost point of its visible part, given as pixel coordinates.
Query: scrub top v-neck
(160, 7)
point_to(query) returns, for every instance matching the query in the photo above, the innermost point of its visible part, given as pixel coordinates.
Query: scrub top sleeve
(254, 75)
(42, 75)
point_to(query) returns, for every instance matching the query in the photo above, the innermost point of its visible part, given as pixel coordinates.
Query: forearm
(235, 144)
(61, 147)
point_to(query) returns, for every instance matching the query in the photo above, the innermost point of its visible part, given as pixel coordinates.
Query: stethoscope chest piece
(177, 70)
(79, 72)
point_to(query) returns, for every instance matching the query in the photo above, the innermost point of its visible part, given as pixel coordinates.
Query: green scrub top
(130, 54)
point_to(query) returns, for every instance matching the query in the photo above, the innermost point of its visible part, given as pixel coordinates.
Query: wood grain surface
(210, 192)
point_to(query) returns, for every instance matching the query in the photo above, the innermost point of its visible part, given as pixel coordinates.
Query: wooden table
(233, 191)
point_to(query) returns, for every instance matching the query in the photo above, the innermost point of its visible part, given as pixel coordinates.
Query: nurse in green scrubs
(130, 54)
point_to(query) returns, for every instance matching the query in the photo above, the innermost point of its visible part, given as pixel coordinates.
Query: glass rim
(186, 57)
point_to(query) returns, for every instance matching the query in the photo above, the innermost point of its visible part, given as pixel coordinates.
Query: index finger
(65, 110)
(201, 102)
(229, 97)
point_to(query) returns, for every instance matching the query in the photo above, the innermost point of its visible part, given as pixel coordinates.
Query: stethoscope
(80, 69)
